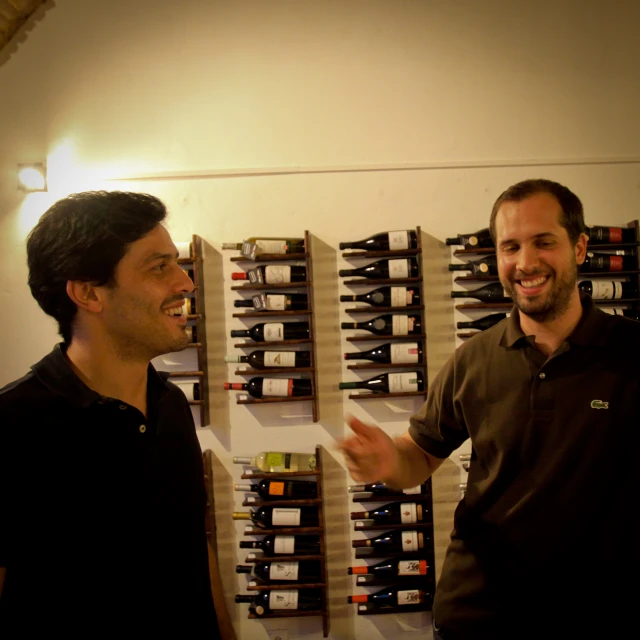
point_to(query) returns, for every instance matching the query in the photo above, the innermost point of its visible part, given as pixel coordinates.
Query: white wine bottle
(277, 462)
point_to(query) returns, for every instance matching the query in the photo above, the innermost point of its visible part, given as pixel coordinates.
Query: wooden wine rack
(319, 531)
(266, 316)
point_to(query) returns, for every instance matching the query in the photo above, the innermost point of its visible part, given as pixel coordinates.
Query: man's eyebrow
(546, 234)
(152, 257)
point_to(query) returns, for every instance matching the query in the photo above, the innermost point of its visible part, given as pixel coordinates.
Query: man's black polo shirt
(101, 509)
(548, 528)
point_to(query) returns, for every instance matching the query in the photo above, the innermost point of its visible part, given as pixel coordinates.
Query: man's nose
(528, 259)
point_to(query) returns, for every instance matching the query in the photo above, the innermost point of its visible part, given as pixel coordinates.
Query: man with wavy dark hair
(102, 501)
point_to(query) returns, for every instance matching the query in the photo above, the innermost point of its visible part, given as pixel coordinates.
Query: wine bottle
(393, 597)
(607, 262)
(188, 307)
(190, 389)
(272, 274)
(278, 572)
(284, 600)
(627, 313)
(487, 266)
(281, 489)
(395, 513)
(396, 541)
(192, 333)
(610, 235)
(389, 241)
(267, 517)
(390, 353)
(385, 269)
(389, 324)
(392, 568)
(276, 302)
(277, 461)
(273, 359)
(486, 322)
(381, 489)
(478, 240)
(260, 387)
(274, 331)
(608, 290)
(274, 545)
(493, 292)
(409, 382)
(254, 246)
(387, 297)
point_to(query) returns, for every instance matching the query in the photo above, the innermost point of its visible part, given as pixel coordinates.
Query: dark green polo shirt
(548, 524)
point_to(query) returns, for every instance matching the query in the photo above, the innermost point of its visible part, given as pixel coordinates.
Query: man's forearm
(413, 465)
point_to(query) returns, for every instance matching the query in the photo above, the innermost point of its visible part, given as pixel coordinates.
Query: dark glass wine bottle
(279, 572)
(260, 387)
(275, 545)
(387, 297)
(393, 597)
(390, 353)
(389, 325)
(267, 517)
(610, 235)
(392, 568)
(606, 262)
(396, 541)
(406, 382)
(275, 246)
(389, 241)
(385, 269)
(395, 513)
(487, 266)
(192, 333)
(493, 292)
(274, 331)
(627, 313)
(478, 240)
(483, 323)
(381, 489)
(281, 489)
(275, 302)
(273, 359)
(608, 290)
(284, 600)
(190, 389)
(272, 274)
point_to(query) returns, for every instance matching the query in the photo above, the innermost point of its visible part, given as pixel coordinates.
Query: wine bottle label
(251, 555)
(606, 290)
(184, 249)
(276, 302)
(272, 246)
(277, 461)
(412, 567)
(285, 599)
(403, 382)
(250, 499)
(400, 325)
(409, 541)
(283, 570)
(280, 387)
(282, 517)
(412, 490)
(284, 545)
(277, 273)
(409, 597)
(408, 513)
(279, 359)
(404, 352)
(273, 331)
(398, 240)
(276, 488)
(399, 268)
(400, 297)
(187, 388)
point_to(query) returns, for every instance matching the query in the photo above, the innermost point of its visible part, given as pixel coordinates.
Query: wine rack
(415, 309)
(196, 326)
(319, 530)
(424, 583)
(305, 315)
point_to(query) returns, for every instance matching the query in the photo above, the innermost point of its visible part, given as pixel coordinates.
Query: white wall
(341, 117)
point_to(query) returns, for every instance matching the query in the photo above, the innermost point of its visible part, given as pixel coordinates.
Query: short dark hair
(572, 218)
(83, 237)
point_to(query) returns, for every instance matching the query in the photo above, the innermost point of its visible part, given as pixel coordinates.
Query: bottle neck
(241, 515)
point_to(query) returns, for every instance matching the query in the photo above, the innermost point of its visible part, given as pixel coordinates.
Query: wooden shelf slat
(375, 365)
(257, 531)
(374, 336)
(250, 345)
(267, 287)
(394, 497)
(261, 372)
(376, 310)
(286, 585)
(272, 257)
(261, 557)
(370, 610)
(377, 396)
(259, 502)
(248, 475)
(364, 553)
(392, 527)
(289, 614)
(271, 314)
(185, 374)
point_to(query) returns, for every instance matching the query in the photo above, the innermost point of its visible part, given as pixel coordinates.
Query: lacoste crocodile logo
(599, 404)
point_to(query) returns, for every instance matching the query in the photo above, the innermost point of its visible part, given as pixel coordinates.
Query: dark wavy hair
(83, 237)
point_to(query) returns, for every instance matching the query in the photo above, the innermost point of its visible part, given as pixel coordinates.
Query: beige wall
(341, 117)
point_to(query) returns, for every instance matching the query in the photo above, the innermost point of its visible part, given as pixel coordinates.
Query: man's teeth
(529, 284)
(174, 312)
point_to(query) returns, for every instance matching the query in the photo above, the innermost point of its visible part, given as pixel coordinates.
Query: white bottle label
(283, 570)
(284, 599)
(400, 325)
(399, 268)
(412, 490)
(280, 387)
(409, 541)
(614, 311)
(606, 290)
(412, 567)
(400, 297)
(187, 388)
(276, 302)
(403, 382)
(408, 513)
(284, 545)
(272, 246)
(282, 517)
(402, 352)
(277, 273)
(398, 240)
(273, 332)
(409, 597)
(279, 359)
(250, 499)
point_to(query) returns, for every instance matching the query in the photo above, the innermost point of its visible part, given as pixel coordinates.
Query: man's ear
(581, 248)
(85, 295)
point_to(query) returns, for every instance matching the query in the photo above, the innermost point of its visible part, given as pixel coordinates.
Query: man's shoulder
(482, 341)
(24, 396)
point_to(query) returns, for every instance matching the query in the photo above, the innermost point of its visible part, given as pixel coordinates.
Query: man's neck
(550, 335)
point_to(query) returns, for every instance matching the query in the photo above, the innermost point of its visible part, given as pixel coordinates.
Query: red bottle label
(615, 263)
(615, 234)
